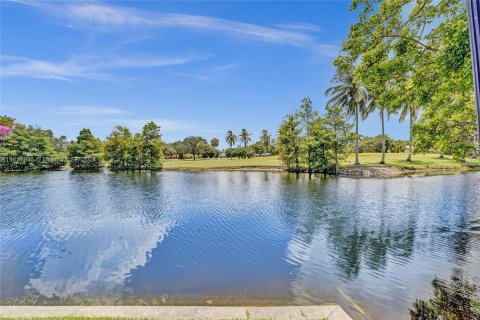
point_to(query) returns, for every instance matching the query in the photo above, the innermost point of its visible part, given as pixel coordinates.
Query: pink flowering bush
(5, 131)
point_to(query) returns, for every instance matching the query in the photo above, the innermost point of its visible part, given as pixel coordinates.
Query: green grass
(419, 161)
(225, 163)
(393, 160)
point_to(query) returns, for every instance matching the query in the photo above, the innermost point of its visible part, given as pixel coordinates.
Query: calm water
(238, 237)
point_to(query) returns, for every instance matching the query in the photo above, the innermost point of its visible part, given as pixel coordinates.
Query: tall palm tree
(265, 139)
(371, 107)
(411, 110)
(231, 139)
(245, 137)
(350, 95)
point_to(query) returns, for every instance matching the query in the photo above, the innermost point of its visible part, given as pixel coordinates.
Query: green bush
(241, 152)
(10, 164)
(85, 163)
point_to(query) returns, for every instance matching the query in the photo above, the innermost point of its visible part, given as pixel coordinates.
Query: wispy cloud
(208, 74)
(108, 18)
(300, 26)
(197, 76)
(86, 111)
(85, 67)
(225, 67)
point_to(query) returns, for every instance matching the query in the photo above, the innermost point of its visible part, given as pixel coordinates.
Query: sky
(195, 68)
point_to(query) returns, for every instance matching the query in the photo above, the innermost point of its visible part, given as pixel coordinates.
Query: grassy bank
(224, 163)
(419, 162)
(370, 160)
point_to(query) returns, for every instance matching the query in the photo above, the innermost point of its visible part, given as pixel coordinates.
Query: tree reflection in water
(455, 301)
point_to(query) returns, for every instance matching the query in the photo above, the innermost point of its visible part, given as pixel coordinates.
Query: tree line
(24, 148)
(308, 142)
(239, 146)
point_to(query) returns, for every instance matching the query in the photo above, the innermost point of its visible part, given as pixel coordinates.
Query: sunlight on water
(372, 245)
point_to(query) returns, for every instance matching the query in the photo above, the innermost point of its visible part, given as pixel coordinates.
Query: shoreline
(350, 171)
(326, 311)
(392, 172)
(364, 171)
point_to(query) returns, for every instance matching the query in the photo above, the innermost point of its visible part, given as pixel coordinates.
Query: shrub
(85, 163)
(241, 152)
(9, 164)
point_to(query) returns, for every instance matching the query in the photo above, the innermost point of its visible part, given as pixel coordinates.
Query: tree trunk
(409, 158)
(309, 163)
(193, 156)
(336, 160)
(382, 115)
(357, 162)
(297, 167)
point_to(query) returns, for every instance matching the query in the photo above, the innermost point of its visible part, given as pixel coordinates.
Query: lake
(238, 238)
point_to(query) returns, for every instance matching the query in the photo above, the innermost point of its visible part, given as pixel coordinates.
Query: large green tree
(118, 148)
(265, 140)
(180, 149)
(214, 142)
(415, 56)
(319, 146)
(306, 115)
(290, 142)
(370, 108)
(231, 139)
(349, 94)
(336, 122)
(194, 146)
(151, 146)
(27, 148)
(86, 152)
(245, 137)
(86, 145)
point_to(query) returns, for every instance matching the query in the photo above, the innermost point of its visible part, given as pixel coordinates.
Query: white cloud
(225, 67)
(85, 67)
(208, 74)
(87, 111)
(107, 17)
(197, 76)
(300, 26)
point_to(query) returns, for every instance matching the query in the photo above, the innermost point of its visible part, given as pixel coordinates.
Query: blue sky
(196, 68)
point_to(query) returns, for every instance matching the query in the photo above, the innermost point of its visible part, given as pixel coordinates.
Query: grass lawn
(225, 163)
(419, 161)
(395, 160)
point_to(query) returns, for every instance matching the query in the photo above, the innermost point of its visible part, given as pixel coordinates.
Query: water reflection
(94, 232)
(372, 245)
(451, 301)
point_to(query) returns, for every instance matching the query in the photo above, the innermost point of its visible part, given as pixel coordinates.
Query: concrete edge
(330, 312)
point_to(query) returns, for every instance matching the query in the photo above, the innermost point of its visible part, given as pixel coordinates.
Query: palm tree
(265, 139)
(411, 110)
(245, 137)
(231, 139)
(352, 96)
(214, 142)
(371, 107)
